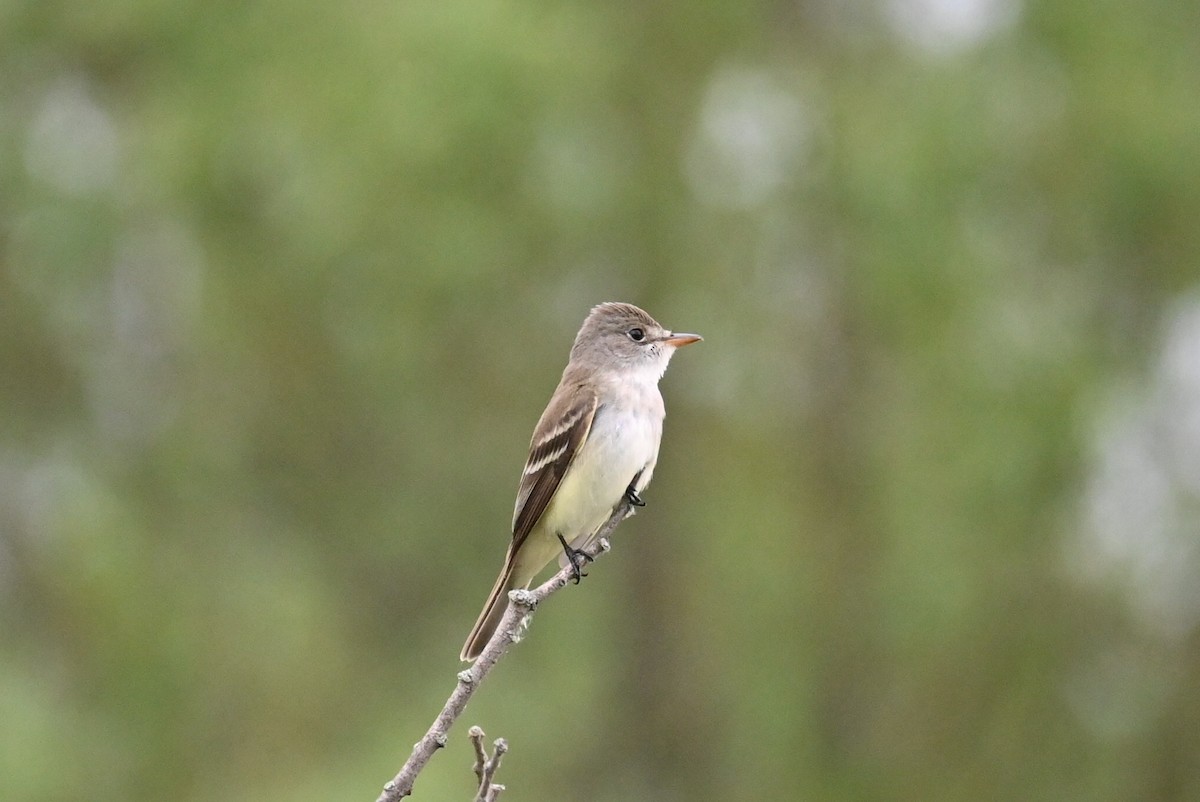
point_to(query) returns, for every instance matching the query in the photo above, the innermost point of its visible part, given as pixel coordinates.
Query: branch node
(523, 598)
(466, 677)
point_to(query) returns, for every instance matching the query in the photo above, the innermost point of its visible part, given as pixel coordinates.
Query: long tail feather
(489, 619)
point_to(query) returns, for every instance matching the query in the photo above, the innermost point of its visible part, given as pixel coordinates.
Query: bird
(596, 442)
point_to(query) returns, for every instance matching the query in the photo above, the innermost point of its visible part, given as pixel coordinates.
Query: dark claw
(633, 498)
(576, 557)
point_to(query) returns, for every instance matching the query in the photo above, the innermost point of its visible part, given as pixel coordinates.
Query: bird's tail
(489, 619)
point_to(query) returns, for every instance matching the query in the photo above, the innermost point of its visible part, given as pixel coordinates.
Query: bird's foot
(633, 498)
(576, 558)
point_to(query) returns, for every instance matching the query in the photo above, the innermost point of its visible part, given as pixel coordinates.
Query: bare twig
(481, 758)
(488, 790)
(493, 765)
(521, 604)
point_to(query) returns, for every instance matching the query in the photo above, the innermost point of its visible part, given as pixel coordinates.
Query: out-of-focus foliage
(284, 286)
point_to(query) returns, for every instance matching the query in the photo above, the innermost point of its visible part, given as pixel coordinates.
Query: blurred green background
(285, 286)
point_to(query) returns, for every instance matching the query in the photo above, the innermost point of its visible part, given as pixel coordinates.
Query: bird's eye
(636, 334)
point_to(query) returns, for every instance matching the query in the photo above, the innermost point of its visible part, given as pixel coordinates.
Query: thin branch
(485, 767)
(488, 790)
(481, 758)
(489, 774)
(521, 604)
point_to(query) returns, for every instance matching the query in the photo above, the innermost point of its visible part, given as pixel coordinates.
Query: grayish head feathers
(620, 336)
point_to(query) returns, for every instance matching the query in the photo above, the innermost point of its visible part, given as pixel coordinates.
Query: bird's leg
(576, 557)
(631, 494)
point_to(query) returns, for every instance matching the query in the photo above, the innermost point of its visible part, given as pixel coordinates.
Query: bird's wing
(559, 436)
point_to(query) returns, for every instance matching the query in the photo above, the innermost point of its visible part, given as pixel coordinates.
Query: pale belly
(617, 448)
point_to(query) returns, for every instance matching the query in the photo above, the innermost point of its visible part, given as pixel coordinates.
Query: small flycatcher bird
(596, 442)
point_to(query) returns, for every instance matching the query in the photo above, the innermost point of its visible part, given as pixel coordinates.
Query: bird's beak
(679, 340)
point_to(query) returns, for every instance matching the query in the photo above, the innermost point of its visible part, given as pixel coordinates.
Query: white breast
(623, 441)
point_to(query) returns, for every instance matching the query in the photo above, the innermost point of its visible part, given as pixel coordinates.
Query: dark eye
(636, 334)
